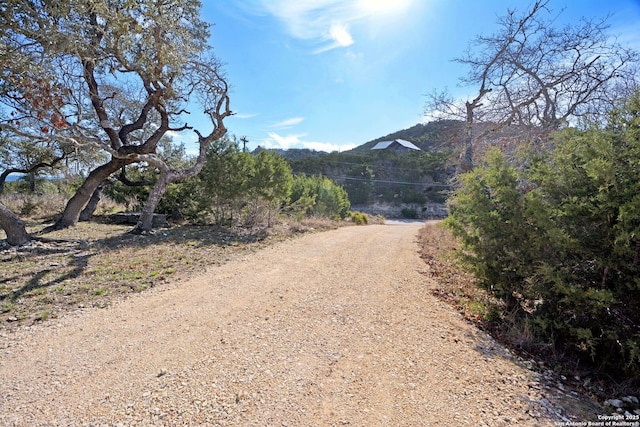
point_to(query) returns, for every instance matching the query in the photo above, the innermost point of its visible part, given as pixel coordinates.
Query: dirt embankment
(334, 328)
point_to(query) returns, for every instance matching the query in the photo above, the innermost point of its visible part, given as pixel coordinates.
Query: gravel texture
(330, 329)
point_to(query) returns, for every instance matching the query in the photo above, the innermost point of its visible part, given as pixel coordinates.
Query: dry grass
(34, 206)
(454, 285)
(40, 207)
(94, 263)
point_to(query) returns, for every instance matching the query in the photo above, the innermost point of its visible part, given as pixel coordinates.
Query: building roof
(383, 145)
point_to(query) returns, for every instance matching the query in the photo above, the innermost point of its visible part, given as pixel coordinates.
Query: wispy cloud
(286, 142)
(287, 123)
(245, 115)
(339, 36)
(326, 22)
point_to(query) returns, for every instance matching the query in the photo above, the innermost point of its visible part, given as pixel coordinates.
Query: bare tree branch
(532, 74)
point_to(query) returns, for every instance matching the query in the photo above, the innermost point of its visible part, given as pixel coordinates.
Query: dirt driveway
(335, 328)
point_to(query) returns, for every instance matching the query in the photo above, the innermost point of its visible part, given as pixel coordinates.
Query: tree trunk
(466, 156)
(145, 223)
(91, 207)
(13, 226)
(71, 213)
(3, 179)
(32, 182)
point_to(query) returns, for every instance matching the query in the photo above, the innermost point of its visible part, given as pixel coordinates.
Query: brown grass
(40, 207)
(454, 285)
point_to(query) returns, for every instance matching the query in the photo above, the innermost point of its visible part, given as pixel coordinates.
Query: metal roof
(382, 145)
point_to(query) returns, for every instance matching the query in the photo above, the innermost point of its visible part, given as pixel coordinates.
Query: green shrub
(359, 218)
(319, 196)
(410, 213)
(234, 187)
(559, 243)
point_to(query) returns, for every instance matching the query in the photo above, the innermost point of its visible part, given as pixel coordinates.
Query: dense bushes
(320, 196)
(559, 242)
(244, 187)
(239, 188)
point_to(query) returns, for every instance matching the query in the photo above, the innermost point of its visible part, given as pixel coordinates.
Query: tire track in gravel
(334, 328)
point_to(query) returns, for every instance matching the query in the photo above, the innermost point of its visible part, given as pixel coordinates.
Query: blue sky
(333, 74)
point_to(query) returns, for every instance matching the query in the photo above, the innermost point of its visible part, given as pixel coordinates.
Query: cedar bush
(558, 243)
(319, 196)
(234, 188)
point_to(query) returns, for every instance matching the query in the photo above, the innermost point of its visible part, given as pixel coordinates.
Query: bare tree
(130, 70)
(538, 76)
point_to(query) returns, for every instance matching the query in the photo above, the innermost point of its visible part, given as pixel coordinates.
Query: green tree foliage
(381, 176)
(559, 243)
(233, 187)
(319, 196)
(268, 185)
(270, 177)
(224, 181)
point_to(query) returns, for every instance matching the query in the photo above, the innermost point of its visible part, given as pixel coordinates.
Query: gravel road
(330, 329)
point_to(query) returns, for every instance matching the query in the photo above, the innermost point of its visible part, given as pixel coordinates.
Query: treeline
(557, 242)
(383, 176)
(235, 188)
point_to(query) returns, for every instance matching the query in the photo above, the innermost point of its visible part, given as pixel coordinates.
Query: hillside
(442, 135)
(387, 182)
(412, 182)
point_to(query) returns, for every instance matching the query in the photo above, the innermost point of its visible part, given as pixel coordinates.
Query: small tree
(318, 195)
(270, 181)
(221, 187)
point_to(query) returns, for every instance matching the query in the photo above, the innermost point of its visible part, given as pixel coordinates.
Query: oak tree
(128, 72)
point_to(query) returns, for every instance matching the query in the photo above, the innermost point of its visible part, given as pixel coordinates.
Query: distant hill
(403, 183)
(442, 135)
(293, 153)
(446, 136)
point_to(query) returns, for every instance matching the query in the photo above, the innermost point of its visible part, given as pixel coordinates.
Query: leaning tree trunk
(71, 213)
(169, 176)
(13, 226)
(91, 207)
(145, 222)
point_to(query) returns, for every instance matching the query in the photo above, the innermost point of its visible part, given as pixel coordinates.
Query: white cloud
(285, 142)
(185, 137)
(245, 115)
(296, 141)
(288, 122)
(339, 36)
(340, 33)
(327, 22)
